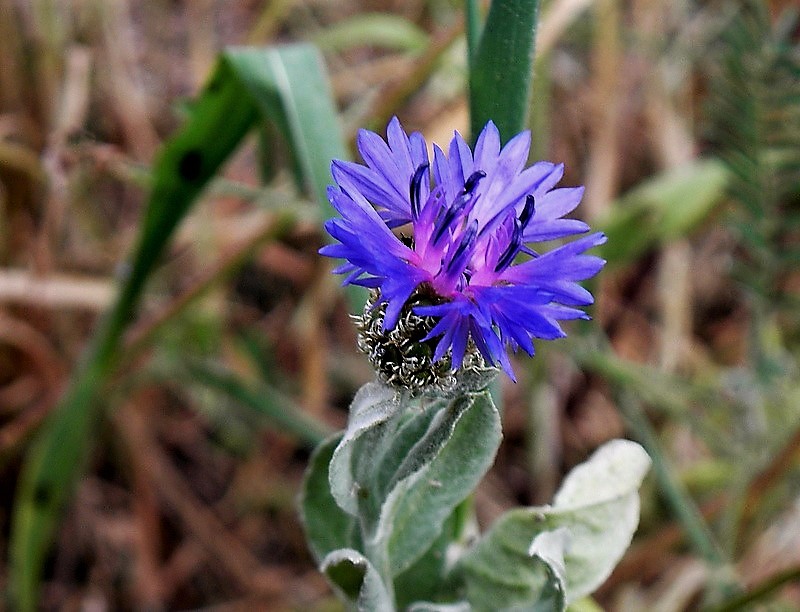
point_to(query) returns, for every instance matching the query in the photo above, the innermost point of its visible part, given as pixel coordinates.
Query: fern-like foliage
(754, 107)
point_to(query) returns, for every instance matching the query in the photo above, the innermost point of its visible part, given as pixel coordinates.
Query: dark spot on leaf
(41, 495)
(190, 167)
(214, 84)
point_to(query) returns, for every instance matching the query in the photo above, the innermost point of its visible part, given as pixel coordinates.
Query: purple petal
(494, 199)
(461, 161)
(487, 148)
(379, 157)
(400, 146)
(558, 202)
(553, 230)
(374, 187)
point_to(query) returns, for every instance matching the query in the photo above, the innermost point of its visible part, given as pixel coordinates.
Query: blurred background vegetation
(681, 118)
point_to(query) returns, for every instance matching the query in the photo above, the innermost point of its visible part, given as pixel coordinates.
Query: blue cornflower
(471, 215)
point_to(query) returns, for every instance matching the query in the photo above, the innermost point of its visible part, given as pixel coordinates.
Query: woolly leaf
(357, 580)
(531, 554)
(442, 468)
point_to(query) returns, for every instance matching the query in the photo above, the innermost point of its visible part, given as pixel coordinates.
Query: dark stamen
(527, 213)
(525, 216)
(444, 221)
(473, 181)
(466, 244)
(415, 189)
(513, 246)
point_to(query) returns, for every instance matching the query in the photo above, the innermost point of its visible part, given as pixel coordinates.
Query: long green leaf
(222, 117)
(501, 73)
(289, 93)
(290, 87)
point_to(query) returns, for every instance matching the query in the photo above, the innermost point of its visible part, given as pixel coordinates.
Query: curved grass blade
(262, 399)
(289, 86)
(222, 117)
(501, 73)
(375, 29)
(239, 93)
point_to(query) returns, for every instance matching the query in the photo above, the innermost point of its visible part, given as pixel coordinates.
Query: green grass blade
(290, 86)
(286, 86)
(264, 400)
(374, 29)
(501, 74)
(54, 463)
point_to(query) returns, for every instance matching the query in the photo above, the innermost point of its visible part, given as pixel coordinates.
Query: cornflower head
(466, 282)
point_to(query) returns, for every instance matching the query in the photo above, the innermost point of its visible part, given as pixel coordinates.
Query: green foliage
(286, 86)
(502, 67)
(376, 29)
(531, 552)
(370, 426)
(662, 209)
(754, 108)
(398, 474)
(442, 468)
(423, 579)
(356, 578)
(327, 526)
